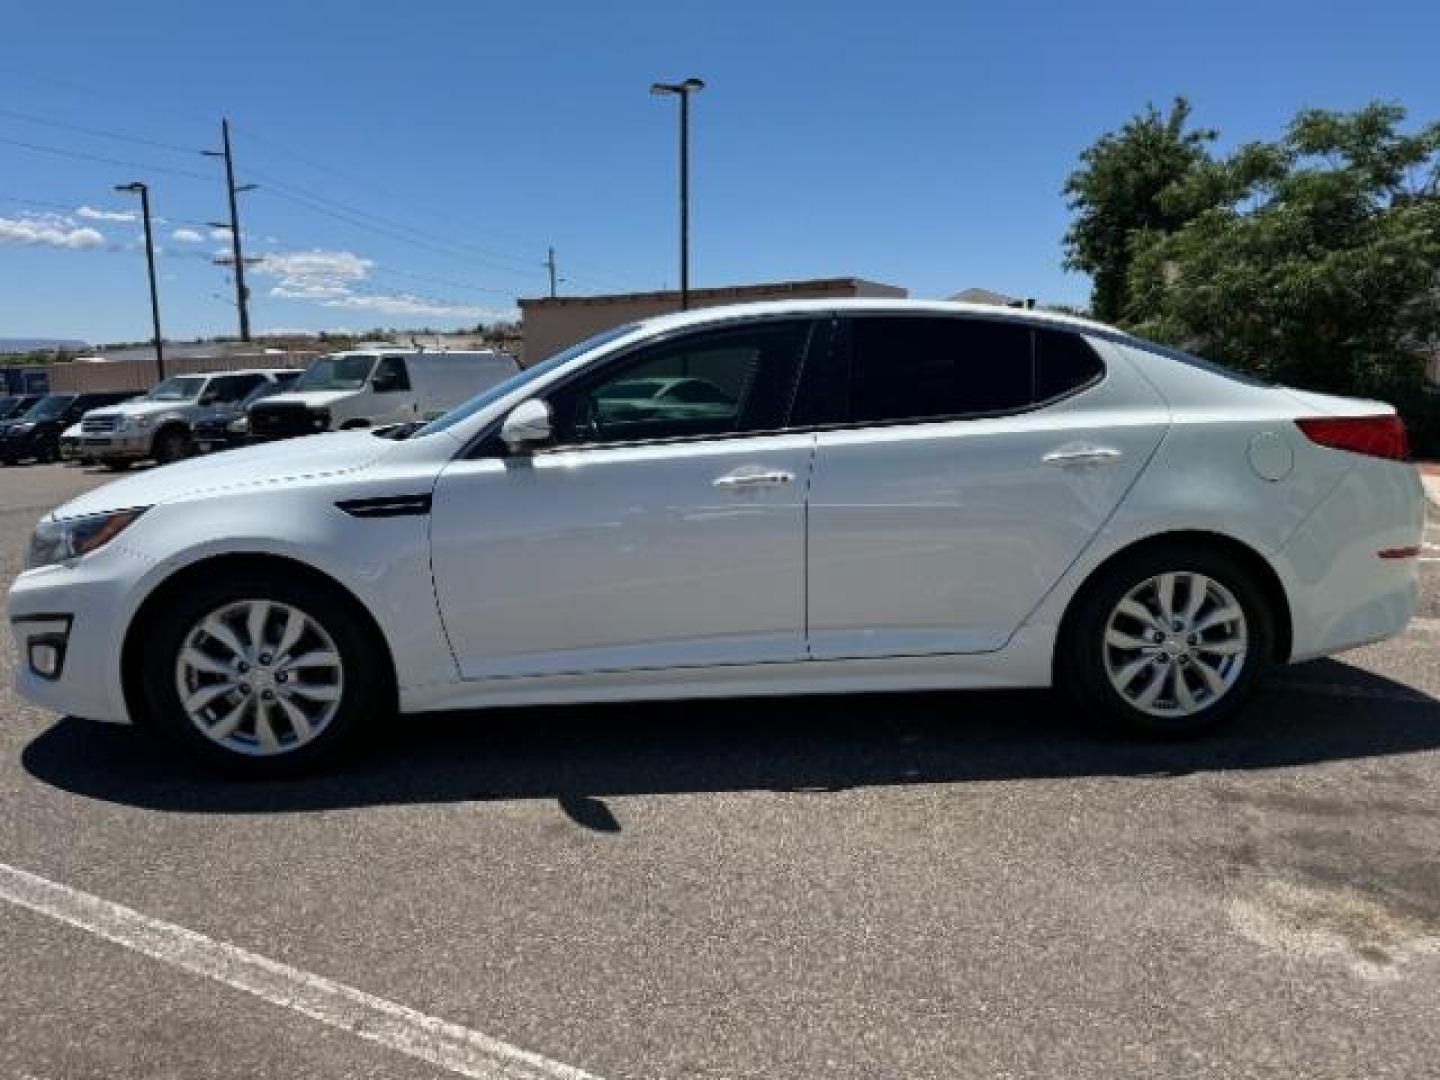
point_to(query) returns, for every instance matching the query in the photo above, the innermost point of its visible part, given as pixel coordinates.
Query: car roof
(239, 371)
(701, 316)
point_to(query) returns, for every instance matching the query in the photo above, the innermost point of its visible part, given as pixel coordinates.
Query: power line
(137, 140)
(596, 275)
(500, 260)
(449, 252)
(441, 281)
(496, 259)
(79, 156)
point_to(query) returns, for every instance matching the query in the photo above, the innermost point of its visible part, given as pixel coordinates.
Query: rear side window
(391, 374)
(914, 368)
(1064, 363)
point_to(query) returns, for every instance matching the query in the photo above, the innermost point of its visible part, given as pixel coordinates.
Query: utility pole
(144, 192)
(550, 265)
(242, 294)
(683, 91)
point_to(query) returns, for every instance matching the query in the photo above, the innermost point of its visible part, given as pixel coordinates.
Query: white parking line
(438, 1042)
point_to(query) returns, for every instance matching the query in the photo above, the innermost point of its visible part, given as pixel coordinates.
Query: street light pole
(144, 192)
(683, 91)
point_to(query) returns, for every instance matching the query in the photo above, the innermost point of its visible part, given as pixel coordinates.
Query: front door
(664, 528)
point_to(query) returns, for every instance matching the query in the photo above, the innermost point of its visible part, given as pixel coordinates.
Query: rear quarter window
(1064, 364)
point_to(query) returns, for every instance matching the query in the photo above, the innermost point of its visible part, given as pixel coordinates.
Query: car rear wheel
(260, 676)
(1169, 644)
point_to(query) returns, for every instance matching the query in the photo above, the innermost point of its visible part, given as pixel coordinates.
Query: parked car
(231, 427)
(35, 434)
(160, 424)
(374, 388)
(901, 496)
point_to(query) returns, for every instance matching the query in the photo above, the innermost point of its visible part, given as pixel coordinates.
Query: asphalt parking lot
(889, 886)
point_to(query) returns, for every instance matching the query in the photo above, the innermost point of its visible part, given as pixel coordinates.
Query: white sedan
(895, 495)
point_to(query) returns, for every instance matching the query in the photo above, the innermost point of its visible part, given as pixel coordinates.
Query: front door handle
(1073, 456)
(754, 478)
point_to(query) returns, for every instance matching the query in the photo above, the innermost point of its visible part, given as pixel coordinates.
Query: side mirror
(385, 384)
(209, 398)
(527, 426)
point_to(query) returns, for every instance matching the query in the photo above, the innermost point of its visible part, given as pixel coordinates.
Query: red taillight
(1375, 436)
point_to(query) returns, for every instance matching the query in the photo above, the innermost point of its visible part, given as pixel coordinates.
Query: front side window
(710, 383)
(918, 367)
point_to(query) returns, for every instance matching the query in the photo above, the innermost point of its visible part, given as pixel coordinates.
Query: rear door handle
(1072, 456)
(754, 478)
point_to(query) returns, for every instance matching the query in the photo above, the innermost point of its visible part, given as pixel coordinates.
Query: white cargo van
(376, 386)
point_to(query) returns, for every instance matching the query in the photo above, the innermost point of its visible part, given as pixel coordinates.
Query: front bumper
(82, 610)
(125, 445)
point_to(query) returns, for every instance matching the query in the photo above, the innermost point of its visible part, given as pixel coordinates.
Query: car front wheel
(260, 675)
(1169, 644)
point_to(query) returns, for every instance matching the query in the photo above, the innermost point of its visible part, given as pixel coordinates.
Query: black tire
(172, 444)
(365, 693)
(1081, 659)
(117, 466)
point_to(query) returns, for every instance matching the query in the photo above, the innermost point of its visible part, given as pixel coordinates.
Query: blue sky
(415, 160)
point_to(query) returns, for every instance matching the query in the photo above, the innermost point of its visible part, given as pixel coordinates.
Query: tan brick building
(549, 324)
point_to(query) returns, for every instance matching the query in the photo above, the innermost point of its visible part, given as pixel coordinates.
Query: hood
(312, 399)
(255, 466)
(141, 408)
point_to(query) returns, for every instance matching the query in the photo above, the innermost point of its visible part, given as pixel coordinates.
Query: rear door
(975, 460)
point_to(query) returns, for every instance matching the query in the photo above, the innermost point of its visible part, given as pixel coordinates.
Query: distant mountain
(11, 345)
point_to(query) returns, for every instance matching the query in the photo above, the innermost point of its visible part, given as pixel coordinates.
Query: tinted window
(909, 368)
(51, 407)
(741, 380)
(390, 375)
(231, 388)
(1064, 363)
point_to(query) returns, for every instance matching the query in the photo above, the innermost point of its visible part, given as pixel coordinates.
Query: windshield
(339, 372)
(50, 407)
(515, 382)
(16, 406)
(180, 388)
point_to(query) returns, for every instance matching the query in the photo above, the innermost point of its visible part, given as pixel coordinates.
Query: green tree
(1314, 260)
(1128, 185)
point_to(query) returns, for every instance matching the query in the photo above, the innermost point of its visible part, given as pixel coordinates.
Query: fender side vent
(387, 506)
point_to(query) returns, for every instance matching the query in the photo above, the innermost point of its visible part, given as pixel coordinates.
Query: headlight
(60, 541)
(239, 425)
(20, 429)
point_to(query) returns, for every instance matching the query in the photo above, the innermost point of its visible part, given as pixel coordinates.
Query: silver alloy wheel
(259, 677)
(1176, 644)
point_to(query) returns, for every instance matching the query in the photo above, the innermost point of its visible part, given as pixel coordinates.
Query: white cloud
(329, 278)
(186, 236)
(107, 215)
(48, 230)
(220, 234)
(404, 304)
